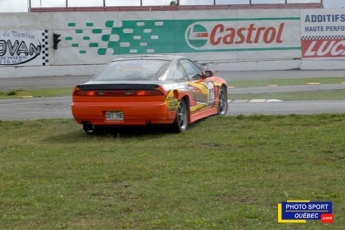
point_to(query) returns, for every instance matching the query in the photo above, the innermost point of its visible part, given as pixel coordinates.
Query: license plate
(114, 116)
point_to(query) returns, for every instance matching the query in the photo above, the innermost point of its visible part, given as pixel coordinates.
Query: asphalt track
(67, 81)
(59, 107)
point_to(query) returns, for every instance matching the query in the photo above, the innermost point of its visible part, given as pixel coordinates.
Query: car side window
(176, 73)
(191, 69)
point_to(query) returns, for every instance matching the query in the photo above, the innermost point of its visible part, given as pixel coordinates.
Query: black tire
(181, 120)
(223, 101)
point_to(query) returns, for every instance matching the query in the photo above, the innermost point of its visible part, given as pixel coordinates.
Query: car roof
(158, 57)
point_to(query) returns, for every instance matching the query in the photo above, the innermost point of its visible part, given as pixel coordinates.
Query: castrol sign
(323, 33)
(229, 35)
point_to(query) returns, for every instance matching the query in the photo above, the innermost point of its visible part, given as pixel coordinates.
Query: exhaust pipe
(88, 127)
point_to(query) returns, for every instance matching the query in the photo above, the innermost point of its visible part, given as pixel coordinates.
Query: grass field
(44, 92)
(285, 82)
(223, 173)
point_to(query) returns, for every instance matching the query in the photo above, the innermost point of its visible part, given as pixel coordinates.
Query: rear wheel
(181, 120)
(223, 101)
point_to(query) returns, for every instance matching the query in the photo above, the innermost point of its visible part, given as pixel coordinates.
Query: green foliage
(174, 3)
(12, 92)
(223, 173)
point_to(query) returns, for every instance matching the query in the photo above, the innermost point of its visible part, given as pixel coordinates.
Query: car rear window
(132, 70)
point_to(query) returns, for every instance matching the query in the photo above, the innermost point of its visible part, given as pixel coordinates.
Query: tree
(174, 3)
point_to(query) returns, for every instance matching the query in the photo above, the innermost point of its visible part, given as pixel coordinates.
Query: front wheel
(181, 120)
(223, 101)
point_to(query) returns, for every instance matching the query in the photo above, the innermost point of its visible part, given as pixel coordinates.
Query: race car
(149, 90)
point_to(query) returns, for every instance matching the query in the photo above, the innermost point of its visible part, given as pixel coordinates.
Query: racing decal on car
(203, 92)
(171, 101)
(175, 86)
(199, 96)
(199, 91)
(210, 87)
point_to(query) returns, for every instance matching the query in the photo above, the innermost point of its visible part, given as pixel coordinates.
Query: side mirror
(209, 73)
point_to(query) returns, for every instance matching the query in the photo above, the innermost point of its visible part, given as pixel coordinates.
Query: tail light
(148, 92)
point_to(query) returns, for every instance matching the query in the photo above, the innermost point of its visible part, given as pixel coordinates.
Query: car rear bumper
(134, 113)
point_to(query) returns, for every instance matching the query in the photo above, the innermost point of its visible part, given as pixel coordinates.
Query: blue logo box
(305, 210)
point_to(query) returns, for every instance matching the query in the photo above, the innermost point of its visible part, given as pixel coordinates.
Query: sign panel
(323, 33)
(24, 47)
(232, 36)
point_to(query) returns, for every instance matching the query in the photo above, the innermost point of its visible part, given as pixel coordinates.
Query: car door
(202, 88)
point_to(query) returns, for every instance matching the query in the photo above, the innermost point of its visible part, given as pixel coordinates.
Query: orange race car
(144, 90)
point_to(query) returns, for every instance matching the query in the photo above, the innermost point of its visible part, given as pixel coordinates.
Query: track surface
(59, 107)
(67, 81)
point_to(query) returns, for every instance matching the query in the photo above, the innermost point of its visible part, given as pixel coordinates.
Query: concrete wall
(224, 40)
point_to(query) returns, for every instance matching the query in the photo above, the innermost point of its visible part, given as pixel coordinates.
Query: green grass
(44, 92)
(293, 96)
(284, 82)
(223, 173)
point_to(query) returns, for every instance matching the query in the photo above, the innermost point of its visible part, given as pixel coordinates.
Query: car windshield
(132, 70)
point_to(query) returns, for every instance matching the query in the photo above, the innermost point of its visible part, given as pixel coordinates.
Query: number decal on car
(210, 87)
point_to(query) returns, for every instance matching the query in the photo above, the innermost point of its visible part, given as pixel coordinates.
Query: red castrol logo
(224, 35)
